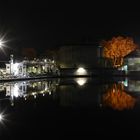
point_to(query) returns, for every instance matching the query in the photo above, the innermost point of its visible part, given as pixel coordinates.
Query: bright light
(33, 93)
(81, 81)
(16, 91)
(1, 43)
(46, 88)
(50, 93)
(81, 71)
(15, 68)
(1, 117)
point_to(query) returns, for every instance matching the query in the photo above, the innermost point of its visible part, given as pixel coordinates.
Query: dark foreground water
(55, 108)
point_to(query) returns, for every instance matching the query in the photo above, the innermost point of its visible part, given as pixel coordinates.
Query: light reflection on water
(81, 81)
(117, 98)
(118, 95)
(25, 89)
(79, 93)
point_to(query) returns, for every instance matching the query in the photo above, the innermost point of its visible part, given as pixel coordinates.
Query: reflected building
(78, 92)
(132, 63)
(132, 86)
(16, 89)
(26, 89)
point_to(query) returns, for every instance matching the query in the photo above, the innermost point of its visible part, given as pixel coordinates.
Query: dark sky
(33, 25)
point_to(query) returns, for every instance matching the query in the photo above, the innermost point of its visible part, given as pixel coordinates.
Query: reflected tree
(117, 98)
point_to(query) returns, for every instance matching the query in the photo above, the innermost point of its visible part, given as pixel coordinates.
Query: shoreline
(61, 76)
(68, 73)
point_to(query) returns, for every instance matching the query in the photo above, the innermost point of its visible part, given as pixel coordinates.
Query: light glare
(16, 91)
(81, 71)
(81, 81)
(1, 43)
(1, 117)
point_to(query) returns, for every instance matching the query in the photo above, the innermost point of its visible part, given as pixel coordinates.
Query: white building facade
(31, 67)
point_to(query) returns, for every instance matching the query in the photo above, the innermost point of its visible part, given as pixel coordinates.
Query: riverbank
(98, 72)
(71, 73)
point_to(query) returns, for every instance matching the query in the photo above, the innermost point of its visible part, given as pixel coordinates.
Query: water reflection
(116, 98)
(119, 95)
(133, 86)
(48, 103)
(81, 81)
(25, 89)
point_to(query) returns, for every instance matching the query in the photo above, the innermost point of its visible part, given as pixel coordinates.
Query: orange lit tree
(117, 98)
(117, 48)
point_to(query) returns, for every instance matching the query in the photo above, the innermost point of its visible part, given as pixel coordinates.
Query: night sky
(34, 25)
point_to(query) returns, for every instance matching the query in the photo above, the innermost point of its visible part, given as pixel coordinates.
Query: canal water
(91, 107)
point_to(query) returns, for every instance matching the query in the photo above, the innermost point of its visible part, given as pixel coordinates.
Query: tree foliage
(117, 48)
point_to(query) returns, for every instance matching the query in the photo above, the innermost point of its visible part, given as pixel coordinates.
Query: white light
(2, 42)
(46, 88)
(33, 93)
(1, 117)
(15, 68)
(16, 91)
(81, 71)
(81, 81)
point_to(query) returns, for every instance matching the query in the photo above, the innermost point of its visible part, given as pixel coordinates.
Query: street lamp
(1, 43)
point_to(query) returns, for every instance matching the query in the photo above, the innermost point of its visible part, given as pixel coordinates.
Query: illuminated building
(31, 67)
(131, 64)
